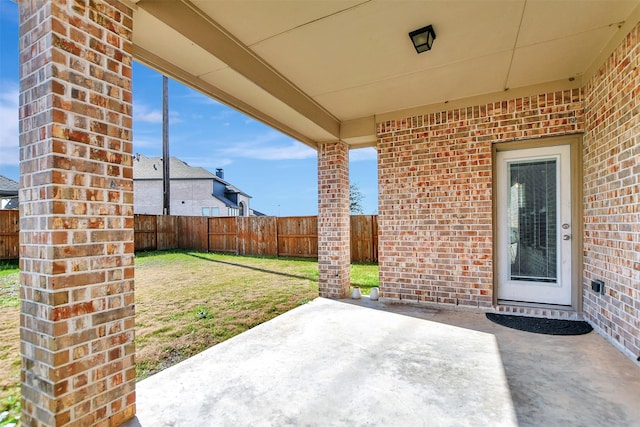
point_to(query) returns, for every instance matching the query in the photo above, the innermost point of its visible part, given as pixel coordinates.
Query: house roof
(235, 190)
(228, 203)
(150, 169)
(257, 213)
(8, 187)
(323, 71)
(12, 203)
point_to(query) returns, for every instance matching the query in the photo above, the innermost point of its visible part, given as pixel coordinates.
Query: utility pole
(166, 181)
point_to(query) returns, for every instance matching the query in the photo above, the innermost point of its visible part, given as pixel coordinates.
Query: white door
(534, 225)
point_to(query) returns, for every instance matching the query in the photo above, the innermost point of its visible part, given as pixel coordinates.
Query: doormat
(538, 325)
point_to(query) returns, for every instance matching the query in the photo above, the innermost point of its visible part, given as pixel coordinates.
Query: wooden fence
(263, 236)
(9, 234)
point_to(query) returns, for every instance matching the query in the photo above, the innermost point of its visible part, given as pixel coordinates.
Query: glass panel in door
(532, 215)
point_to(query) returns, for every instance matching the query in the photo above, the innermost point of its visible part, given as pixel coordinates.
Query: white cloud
(268, 147)
(222, 115)
(142, 113)
(9, 95)
(363, 154)
(146, 141)
(175, 118)
(209, 163)
(197, 97)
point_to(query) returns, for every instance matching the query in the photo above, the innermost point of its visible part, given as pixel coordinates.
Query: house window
(234, 211)
(210, 211)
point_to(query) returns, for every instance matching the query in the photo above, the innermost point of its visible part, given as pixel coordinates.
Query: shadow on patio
(368, 363)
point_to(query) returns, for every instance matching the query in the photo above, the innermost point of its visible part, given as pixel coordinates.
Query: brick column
(76, 209)
(334, 250)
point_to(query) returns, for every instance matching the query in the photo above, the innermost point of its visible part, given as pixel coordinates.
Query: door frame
(577, 218)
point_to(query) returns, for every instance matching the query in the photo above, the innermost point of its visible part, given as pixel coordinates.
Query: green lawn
(9, 342)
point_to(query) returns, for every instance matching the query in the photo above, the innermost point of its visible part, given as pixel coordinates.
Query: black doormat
(541, 326)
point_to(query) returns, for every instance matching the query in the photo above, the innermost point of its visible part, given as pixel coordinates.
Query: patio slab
(337, 363)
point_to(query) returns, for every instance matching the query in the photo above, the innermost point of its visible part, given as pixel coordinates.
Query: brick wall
(333, 220)
(611, 201)
(435, 194)
(76, 208)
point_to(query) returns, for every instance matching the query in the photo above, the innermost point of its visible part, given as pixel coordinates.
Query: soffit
(174, 46)
(359, 47)
(314, 66)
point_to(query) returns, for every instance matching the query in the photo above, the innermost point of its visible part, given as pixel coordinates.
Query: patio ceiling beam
(193, 24)
(178, 74)
(359, 133)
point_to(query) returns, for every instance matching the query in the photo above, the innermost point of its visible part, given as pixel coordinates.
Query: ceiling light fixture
(423, 38)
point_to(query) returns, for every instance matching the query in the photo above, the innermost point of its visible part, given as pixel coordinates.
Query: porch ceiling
(323, 70)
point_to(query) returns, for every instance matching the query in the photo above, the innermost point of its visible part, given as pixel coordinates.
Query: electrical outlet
(597, 286)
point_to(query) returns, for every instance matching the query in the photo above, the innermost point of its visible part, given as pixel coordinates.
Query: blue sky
(278, 171)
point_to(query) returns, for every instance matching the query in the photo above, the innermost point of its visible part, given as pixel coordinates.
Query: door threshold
(547, 311)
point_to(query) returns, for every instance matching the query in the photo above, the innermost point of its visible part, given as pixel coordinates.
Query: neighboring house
(194, 191)
(8, 193)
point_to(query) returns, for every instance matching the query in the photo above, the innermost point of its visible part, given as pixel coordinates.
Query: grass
(9, 275)
(364, 276)
(186, 301)
(9, 342)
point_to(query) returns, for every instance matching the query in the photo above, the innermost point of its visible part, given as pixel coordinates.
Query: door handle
(566, 237)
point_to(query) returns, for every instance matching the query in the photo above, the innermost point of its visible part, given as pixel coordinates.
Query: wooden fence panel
(265, 236)
(258, 236)
(193, 233)
(363, 232)
(243, 236)
(298, 236)
(262, 236)
(222, 234)
(145, 232)
(9, 234)
(167, 232)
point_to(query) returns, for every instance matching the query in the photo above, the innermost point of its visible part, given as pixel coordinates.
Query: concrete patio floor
(365, 363)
